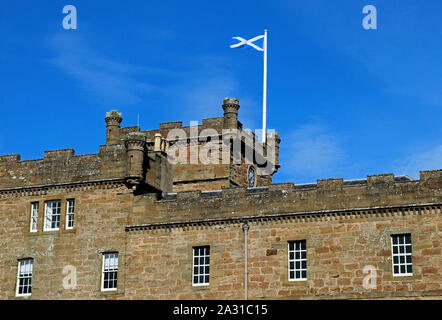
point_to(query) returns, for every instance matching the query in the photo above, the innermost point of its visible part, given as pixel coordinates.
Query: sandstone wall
(338, 249)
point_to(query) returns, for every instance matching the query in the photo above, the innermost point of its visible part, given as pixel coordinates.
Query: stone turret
(135, 143)
(230, 107)
(113, 120)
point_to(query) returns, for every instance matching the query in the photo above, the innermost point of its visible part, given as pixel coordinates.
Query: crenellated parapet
(377, 192)
(62, 166)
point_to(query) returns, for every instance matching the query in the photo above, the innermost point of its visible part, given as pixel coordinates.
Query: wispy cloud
(428, 160)
(114, 81)
(193, 93)
(201, 89)
(311, 151)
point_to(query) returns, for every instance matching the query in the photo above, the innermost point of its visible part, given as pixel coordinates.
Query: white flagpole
(264, 96)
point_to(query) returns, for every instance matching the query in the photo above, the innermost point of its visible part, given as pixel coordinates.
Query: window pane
(297, 259)
(110, 273)
(201, 266)
(303, 245)
(24, 279)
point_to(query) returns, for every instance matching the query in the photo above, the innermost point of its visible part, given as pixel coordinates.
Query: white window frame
(399, 255)
(203, 265)
(295, 260)
(70, 212)
(113, 269)
(34, 217)
(46, 215)
(19, 276)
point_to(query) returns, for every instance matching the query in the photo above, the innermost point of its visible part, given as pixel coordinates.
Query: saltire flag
(256, 43)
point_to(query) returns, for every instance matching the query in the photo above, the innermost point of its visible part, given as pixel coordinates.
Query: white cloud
(193, 93)
(311, 150)
(201, 90)
(116, 82)
(429, 160)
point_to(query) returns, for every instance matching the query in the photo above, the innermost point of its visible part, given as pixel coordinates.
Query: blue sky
(347, 102)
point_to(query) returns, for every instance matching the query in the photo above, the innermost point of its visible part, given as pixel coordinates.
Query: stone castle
(128, 223)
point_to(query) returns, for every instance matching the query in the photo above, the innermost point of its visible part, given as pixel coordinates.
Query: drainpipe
(245, 228)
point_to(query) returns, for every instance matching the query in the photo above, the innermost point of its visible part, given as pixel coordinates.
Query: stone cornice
(71, 186)
(323, 215)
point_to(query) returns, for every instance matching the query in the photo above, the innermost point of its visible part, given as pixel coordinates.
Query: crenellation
(10, 158)
(215, 123)
(129, 199)
(380, 180)
(126, 130)
(171, 125)
(340, 196)
(431, 175)
(233, 192)
(282, 186)
(332, 184)
(62, 154)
